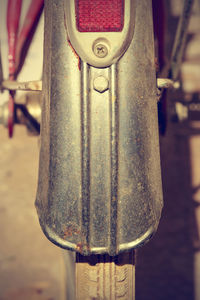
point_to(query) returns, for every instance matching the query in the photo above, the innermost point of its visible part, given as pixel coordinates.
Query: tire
(104, 277)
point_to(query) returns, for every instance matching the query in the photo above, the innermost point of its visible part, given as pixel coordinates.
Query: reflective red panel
(99, 15)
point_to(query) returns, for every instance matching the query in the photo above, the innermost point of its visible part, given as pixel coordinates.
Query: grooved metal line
(85, 113)
(114, 158)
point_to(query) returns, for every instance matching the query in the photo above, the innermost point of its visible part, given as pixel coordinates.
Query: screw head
(100, 48)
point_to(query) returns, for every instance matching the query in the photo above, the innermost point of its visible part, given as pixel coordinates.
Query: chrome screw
(100, 50)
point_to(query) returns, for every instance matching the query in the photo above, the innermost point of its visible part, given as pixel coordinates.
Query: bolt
(100, 50)
(100, 84)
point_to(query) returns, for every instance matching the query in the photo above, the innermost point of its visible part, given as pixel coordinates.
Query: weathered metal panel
(99, 185)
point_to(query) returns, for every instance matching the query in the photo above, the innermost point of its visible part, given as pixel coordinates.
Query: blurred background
(168, 267)
(30, 266)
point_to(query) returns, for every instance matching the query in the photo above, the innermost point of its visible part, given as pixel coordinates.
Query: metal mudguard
(99, 187)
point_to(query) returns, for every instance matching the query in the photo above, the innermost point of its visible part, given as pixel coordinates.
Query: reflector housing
(99, 15)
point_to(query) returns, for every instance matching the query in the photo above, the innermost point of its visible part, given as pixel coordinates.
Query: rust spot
(73, 50)
(75, 53)
(79, 247)
(70, 231)
(82, 248)
(73, 230)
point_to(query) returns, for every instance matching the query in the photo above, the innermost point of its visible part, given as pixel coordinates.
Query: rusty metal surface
(99, 187)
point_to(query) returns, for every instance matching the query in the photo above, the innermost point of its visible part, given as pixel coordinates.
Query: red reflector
(99, 15)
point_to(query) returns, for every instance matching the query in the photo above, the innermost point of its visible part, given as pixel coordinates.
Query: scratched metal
(99, 188)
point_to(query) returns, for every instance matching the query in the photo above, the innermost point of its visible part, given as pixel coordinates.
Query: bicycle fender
(99, 188)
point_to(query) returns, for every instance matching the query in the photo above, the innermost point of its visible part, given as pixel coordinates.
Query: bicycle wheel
(105, 277)
(100, 276)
